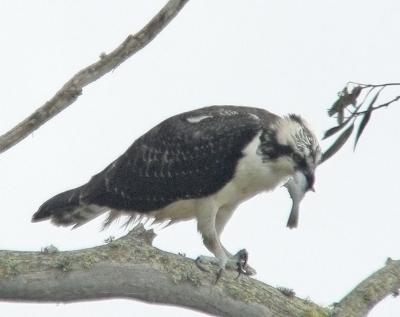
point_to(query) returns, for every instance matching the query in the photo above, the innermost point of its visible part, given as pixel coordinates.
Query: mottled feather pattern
(185, 158)
(177, 159)
(200, 165)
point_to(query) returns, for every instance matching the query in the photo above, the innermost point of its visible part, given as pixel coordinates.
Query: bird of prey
(198, 165)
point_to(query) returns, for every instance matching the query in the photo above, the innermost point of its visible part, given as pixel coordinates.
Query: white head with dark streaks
(292, 144)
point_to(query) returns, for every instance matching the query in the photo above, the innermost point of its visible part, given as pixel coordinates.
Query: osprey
(198, 165)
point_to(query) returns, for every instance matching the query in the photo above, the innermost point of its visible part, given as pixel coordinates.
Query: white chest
(253, 176)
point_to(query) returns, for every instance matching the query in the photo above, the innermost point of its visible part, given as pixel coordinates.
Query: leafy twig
(349, 100)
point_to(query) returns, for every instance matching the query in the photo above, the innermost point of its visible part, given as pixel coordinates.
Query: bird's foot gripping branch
(130, 267)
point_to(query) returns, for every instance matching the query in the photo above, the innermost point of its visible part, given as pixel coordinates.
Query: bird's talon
(243, 256)
(238, 263)
(250, 271)
(200, 265)
(242, 268)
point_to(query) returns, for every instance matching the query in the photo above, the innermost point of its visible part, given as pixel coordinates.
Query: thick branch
(73, 88)
(131, 268)
(371, 291)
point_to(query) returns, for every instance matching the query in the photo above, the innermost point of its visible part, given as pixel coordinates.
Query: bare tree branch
(386, 104)
(371, 291)
(131, 267)
(73, 88)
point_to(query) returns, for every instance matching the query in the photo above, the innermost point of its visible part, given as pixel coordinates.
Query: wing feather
(187, 156)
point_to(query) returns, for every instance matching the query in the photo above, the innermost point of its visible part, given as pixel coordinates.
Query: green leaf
(365, 119)
(340, 141)
(340, 116)
(345, 99)
(333, 130)
(362, 125)
(338, 105)
(339, 127)
(355, 93)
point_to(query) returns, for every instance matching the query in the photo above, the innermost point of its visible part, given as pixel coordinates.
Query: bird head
(292, 145)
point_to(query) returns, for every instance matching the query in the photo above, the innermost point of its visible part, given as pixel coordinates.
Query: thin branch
(384, 105)
(373, 85)
(130, 267)
(350, 102)
(371, 291)
(73, 88)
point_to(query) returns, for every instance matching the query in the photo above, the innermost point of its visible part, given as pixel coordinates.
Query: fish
(297, 187)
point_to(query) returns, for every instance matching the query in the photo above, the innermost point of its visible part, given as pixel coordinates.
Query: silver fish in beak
(297, 187)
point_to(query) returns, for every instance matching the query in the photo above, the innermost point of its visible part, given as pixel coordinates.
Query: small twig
(365, 98)
(349, 102)
(72, 89)
(386, 104)
(372, 85)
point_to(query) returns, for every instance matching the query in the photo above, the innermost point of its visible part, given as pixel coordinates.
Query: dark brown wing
(187, 156)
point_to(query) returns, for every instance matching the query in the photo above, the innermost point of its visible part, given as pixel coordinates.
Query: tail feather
(66, 209)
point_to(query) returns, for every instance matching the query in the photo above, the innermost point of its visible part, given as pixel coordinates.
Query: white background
(285, 56)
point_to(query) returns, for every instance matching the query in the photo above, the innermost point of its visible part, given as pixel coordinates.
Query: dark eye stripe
(299, 160)
(271, 149)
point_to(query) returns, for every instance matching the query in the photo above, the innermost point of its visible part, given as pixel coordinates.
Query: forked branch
(355, 104)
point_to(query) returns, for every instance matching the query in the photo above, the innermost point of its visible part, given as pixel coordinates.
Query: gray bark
(72, 89)
(371, 291)
(131, 267)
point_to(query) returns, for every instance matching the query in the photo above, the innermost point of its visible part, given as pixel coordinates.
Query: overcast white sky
(285, 56)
